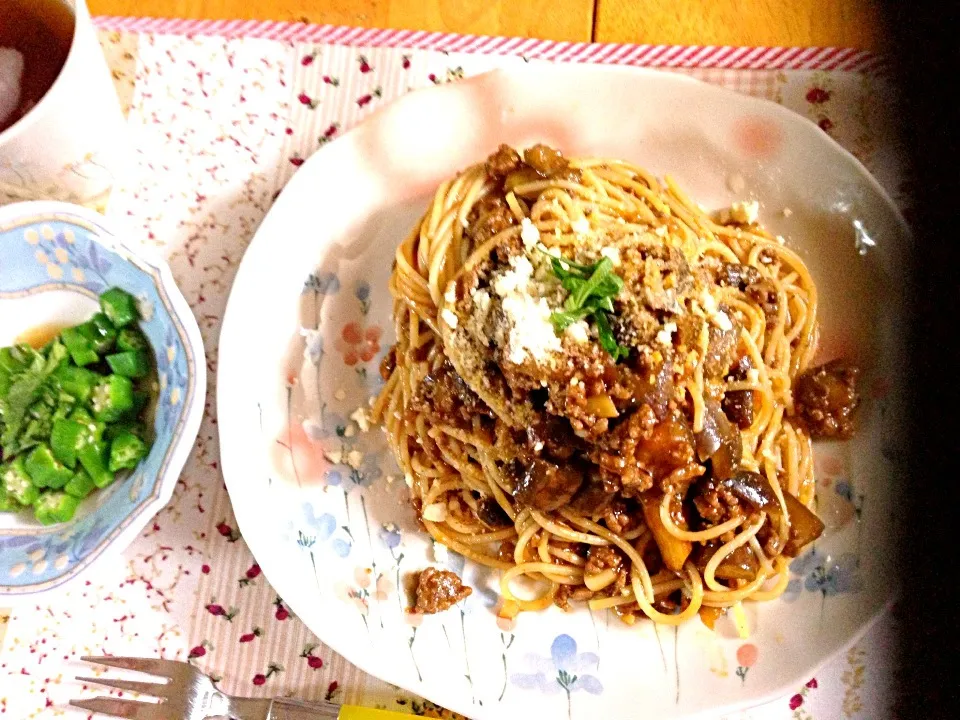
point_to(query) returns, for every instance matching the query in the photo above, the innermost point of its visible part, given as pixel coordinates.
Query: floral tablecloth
(220, 124)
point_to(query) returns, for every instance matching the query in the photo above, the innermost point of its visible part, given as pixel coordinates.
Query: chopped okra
(80, 347)
(131, 363)
(100, 332)
(80, 485)
(17, 482)
(74, 412)
(45, 470)
(55, 507)
(120, 306)
(112, 398)
(126, 451)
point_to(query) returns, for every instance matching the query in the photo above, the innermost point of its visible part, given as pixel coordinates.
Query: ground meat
(764, 293)
(826, 398)
(596, 374)
(622, 516)
(548, 162)
(445, 395)
(544, 485)
(619, 458)
(721, 348)
(738, 407)
(489, 217)
(715, 502)
(438, 590)
(503, 162)
(389, 363)
(561, 598)
(600, 558)
(505, 553)
(736, 275)
(491, 514)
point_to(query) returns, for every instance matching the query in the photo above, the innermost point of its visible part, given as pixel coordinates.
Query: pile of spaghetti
(601, 388)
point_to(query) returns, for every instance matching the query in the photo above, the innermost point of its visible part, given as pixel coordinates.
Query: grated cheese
(361, 416)
(451, 294)
(708, 303)
(481, 298)
(530, 332)
(665, 336)
(449, 317)
(355, 459)
(612, 254)
(529, 233)
(435, 512)
(745, 211)
(581, 226)
(578, 331)
(440, 552)
(334, 456)
(722, 321)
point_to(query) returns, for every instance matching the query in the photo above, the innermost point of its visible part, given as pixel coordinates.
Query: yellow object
(723, 22)
(740, 620)
(352, 712)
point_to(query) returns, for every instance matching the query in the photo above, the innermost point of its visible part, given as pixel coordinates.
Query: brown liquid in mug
(42, 30)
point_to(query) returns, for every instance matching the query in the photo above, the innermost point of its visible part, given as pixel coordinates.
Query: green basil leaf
(562, 320)
(607, 341)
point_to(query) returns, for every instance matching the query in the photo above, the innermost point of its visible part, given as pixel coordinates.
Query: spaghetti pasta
(594, 378)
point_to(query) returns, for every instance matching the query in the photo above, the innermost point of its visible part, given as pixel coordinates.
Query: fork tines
(175, 674)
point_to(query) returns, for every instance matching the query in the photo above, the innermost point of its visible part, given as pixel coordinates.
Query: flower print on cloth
(565, 670)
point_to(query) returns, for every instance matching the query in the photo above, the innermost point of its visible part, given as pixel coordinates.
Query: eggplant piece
(754, 489)
(673, 550)
(805, 526)
(595, 495)
(741, 564)
(719, 441)
(545, 485)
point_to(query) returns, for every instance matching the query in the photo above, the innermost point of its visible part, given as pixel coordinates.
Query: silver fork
(188, 694)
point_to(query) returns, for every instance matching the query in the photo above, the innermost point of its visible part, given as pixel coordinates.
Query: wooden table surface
(848, 23)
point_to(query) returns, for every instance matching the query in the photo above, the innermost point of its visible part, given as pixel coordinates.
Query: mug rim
(79, 8)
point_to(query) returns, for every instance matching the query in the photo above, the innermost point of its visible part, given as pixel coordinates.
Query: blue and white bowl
(55, 259)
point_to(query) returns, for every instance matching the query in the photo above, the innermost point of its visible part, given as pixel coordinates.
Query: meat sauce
(610, 437)
(438, 590)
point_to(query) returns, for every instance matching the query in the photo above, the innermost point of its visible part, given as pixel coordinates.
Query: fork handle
(282, 709)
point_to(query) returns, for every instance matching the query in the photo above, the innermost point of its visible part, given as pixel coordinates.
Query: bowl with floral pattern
(55, 259)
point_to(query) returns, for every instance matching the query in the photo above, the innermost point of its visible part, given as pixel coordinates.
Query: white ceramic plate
(312, 493)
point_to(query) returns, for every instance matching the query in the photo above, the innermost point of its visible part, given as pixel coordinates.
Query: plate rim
(279, 580)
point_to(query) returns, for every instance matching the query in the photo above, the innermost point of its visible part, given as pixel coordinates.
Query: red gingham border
(692, 56)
